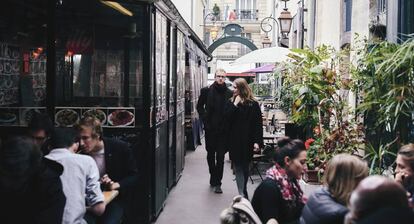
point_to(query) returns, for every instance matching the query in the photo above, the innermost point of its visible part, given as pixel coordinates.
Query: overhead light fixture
(118, 7)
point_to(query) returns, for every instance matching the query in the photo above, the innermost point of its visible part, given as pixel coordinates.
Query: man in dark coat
(210, 107)
(116, 165)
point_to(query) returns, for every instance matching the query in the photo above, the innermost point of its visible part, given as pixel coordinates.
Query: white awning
(264, 55)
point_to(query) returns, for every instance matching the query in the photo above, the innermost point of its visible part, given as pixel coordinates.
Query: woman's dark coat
(245, 129)
(268, 203)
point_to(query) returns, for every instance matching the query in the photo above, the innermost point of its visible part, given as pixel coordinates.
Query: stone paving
(193, 201)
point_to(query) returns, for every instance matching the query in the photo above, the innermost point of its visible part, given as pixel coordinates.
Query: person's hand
(108, 183)
(256, 147)
(114, 186)
(400, 176)
(237, 100)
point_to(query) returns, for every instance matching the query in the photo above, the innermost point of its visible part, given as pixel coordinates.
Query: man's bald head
(374, 193)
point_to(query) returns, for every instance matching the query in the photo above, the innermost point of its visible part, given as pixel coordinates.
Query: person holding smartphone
(404, 172)
(245, 134)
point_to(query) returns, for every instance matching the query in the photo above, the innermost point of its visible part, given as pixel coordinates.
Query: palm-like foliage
(385, 79)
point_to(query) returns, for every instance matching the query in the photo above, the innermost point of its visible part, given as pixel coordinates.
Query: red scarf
(290, 189)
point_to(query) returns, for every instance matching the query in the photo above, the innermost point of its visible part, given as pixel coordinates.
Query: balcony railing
(234, 15)
(247, 14)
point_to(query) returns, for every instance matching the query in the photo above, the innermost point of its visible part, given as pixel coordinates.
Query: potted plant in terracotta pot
(315, 166)
(346, 138)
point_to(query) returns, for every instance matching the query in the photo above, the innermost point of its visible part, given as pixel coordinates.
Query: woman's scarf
(290, 189)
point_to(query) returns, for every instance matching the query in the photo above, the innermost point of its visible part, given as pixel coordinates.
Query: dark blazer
(322, 208)
(120, 164)
(245, 129)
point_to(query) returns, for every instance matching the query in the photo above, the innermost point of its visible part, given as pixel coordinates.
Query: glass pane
(161, 66)
(98, 46)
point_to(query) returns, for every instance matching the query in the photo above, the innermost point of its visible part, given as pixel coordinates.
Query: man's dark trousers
(215, 156)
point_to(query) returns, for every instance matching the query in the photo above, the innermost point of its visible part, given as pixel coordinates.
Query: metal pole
(274, 34)
(303, 24)
(204, 26)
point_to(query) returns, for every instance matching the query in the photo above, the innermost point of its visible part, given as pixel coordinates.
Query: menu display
(10, 64)
(38, 74)
(113, 117)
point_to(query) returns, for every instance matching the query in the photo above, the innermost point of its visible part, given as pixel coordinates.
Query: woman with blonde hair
(245, 132)
(328, 204)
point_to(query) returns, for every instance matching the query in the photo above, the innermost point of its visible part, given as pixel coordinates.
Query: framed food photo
(99, 113)
(67, 117)
(27, 113)
(121, 117)
(9, 116)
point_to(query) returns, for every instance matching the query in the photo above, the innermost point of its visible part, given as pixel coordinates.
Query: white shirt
(80, 181)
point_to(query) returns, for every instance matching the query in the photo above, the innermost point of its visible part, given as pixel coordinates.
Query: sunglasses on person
(221, 76)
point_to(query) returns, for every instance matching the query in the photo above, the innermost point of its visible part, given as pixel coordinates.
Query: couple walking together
(232, 122)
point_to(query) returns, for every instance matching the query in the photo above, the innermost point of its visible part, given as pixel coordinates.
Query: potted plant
(347, 138)
(315, 167)
(315, 83)
(384, 80)
(216, 11)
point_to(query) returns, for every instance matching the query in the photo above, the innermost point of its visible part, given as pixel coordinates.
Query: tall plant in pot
(385, 80)
(216, 11)
(318, 104)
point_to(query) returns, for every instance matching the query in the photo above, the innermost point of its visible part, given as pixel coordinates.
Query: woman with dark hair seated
(279, 196)
(30, 187)
(327, 205)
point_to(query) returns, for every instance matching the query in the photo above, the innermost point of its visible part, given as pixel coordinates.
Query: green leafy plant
(385, 80)
(311, 84)
(216, 10)
(377, 158)
(347, 138)
(261, 89)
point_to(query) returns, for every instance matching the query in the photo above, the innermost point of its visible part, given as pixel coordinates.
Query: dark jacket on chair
(322, 208)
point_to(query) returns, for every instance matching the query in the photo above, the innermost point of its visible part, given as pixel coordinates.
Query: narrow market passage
(192, 200)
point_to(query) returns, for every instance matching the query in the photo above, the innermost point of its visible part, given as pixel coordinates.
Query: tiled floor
(192, 200)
